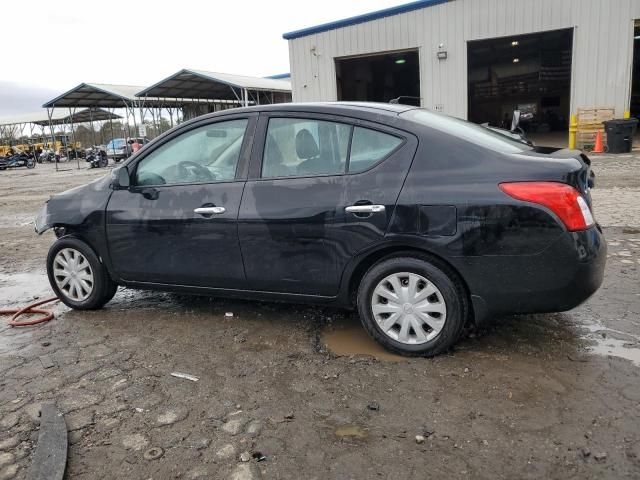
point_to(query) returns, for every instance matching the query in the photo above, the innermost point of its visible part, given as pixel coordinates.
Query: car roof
(357, 109)
(368, 106)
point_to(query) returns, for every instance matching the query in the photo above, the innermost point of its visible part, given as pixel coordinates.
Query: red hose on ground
(29, 309)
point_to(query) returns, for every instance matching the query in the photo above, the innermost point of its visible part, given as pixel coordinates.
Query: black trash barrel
(620, 134)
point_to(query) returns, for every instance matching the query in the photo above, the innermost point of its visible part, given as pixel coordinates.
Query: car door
(379, 161)
(295, 230)
(176, 224)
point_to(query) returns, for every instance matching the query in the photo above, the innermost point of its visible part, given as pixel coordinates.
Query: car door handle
(365, 209)
(209, 210)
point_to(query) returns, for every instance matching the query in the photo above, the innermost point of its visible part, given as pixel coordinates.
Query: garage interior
(380, 78)
(531, 73)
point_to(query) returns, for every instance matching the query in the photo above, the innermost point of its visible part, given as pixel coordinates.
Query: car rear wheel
(412, 305)
(77, 276)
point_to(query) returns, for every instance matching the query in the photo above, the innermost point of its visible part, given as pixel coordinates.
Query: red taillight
(562, 199)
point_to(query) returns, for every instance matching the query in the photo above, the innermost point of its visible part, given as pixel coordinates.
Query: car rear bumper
(558, 279)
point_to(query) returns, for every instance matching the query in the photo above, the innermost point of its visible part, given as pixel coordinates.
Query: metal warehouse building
(478, 59)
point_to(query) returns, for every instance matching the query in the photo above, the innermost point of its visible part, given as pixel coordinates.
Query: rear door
(321, 188)
(379, 161)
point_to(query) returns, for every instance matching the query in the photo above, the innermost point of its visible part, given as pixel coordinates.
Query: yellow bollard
(627, 114)
(573, 128)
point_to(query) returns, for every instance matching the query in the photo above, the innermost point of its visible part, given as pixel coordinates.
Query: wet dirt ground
(539, 396)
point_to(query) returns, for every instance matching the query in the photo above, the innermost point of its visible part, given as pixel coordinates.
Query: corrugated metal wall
(603, 47)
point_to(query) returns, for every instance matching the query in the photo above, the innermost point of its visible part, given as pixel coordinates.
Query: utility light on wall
(516, 60)
(401, 61)
(515, 43)
(442, 53)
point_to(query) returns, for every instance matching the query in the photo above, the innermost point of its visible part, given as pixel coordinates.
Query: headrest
(306, 146)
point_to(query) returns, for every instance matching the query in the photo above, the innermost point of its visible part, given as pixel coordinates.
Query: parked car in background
(118, 149)
(137, 143)
(121, 148)
(420, 221)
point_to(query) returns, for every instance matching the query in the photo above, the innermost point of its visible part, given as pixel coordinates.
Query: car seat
(308, 151)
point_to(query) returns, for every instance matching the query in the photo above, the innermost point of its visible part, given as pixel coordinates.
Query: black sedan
(421, 221)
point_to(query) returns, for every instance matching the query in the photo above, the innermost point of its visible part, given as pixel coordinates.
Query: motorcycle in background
(96, 157)
(20, 159)
(48, 155)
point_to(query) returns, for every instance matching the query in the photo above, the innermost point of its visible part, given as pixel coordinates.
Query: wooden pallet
(586, 139)
(595, 116)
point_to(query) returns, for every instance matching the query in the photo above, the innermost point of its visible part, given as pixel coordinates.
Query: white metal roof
(58, 116)
(105, 96)
(33, 117)
(252, 83)
(188, 83)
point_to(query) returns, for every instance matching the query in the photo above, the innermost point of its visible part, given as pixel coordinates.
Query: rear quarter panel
(463, 178)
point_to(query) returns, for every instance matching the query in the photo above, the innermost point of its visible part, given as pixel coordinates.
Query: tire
(31, 164)
(447, 305)
(70, 249)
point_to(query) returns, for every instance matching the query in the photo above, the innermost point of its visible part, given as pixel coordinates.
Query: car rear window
(468, 131)
(116, 143)
(368, 147)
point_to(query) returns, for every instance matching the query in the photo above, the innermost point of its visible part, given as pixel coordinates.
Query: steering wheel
(201, 172)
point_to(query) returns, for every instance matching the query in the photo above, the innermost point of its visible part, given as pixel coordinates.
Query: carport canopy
(199, 84)
(37, 118)
(85, 116)
(59, 117)
(98, 95)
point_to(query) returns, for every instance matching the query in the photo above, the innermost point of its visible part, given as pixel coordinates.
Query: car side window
(303, 147)
(202, 155)
(369, 147)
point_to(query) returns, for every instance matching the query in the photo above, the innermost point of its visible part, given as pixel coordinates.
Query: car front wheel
(77, 276)
(412, 305)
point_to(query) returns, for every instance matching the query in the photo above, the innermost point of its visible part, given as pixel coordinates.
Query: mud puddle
(347, 337)
(609, 342)
(16, 220)
(23, 287)
(16, 291)
(353, 432)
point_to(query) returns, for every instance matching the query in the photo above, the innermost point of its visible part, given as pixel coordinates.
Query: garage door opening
(380, 78)
(530, 73)
(635, 79)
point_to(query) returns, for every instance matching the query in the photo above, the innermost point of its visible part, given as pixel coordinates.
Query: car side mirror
(122, 180)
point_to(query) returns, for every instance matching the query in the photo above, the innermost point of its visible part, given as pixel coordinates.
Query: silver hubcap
(409, 308)
(73, 274)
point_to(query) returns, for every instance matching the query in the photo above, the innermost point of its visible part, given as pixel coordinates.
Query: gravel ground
(538, 396)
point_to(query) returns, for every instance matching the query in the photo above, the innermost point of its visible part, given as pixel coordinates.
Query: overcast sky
(138, 42)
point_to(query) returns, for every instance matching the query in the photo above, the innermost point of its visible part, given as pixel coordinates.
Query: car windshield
(116, 143)
(468, 131)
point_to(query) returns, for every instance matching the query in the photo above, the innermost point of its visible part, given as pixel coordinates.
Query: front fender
(81, 207)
